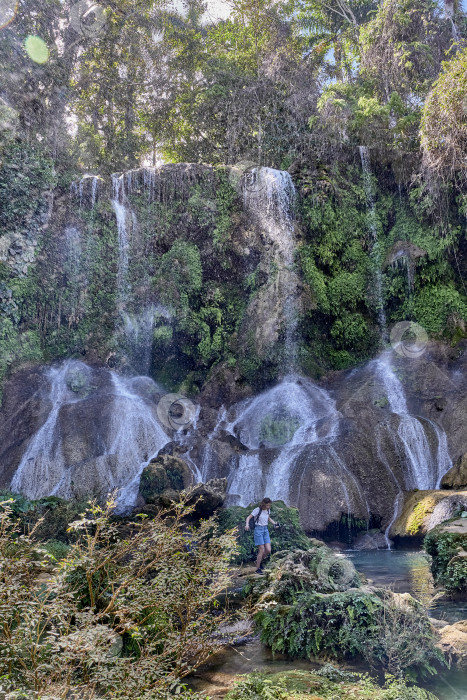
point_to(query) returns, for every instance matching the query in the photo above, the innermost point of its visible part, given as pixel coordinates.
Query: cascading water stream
(130, 437)
(373, 226)
(426, 470)
(269, 195)
(135, 436)
(42, 465)
(288, 419)
(121, 214)
(296, 414)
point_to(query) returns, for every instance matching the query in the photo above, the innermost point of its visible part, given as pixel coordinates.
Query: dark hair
(265, 503)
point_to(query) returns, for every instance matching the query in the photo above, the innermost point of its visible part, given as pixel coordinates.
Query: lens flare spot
(8, 10)
(37, 49)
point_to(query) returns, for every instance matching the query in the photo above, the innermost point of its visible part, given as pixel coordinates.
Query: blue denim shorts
(261, 535)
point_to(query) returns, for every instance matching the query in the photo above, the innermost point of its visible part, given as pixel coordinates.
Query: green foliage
(328, 683)
(56, 549)
(352, 623)
(48, 517)
(434, 307)
(180, 274)
(227, 206)
(289, 536)
(444, 127)
(448, 568)
(26, 172)
(125, 613)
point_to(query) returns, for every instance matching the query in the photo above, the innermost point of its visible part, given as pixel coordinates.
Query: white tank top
(263, 518)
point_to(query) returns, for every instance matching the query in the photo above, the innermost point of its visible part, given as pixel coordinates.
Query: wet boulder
(163, 478)
(373, 539)
(208, 497)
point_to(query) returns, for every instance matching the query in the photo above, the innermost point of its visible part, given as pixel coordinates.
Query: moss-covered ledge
(447, 545)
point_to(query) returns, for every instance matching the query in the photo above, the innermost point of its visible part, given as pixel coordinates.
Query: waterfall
(287, 418)
(138, 335)
(373, 226)
(135, 436)
(42, 465)
(397, 504)
(78, 190)
(118, 186)
(269, 195)
(128, 436)
(426, 470)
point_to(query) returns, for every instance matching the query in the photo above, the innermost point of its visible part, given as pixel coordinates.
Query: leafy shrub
(448, 569)
(328, 683)
(48, 517)
(289, 536)
(352, 623)
(126, 614)
(57, 550)
(444, 128)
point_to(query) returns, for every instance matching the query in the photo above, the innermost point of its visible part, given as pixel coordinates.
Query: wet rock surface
(345, 456)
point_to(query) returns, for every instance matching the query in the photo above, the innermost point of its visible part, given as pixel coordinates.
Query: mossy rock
(162, 475)
(422, 510)
(288, 536)
(374, 625)
(328, 683)
(447, 545)
(317, 569)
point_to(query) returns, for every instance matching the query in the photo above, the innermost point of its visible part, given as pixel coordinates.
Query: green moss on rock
(328, 683)
(288, 536)
(447, 545)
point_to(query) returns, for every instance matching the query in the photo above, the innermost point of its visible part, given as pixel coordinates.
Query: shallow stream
(403, 572)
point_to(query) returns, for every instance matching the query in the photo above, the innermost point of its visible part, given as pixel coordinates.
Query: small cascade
(82, 190)
(121, 214)
(135, 436)
(426, 469)
(443, 459)
(138, 331)
(128, 436)
(376, 254)
(269, 195)
(42, 466)
(400, 494)
(284, 421)
(397, 505)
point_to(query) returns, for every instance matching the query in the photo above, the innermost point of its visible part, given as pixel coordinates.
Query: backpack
(255, 519)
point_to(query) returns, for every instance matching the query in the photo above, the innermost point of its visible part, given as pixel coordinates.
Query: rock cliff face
(334, 448)
(185, 275)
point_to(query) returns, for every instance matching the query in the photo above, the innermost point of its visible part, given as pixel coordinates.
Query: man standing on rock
(261, 533)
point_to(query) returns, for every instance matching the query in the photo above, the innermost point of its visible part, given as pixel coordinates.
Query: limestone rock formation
(456, 477)
(453, 643)
(424, 510)
(163, 478)
(209, 496)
